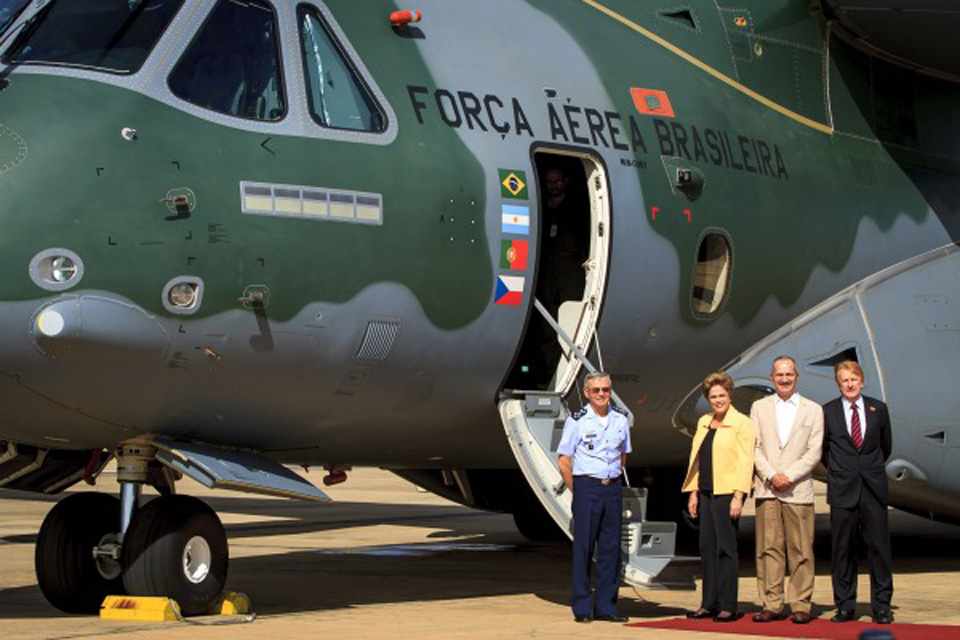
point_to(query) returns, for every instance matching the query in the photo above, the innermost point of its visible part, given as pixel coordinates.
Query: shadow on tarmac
(470, 554)
(328, 579)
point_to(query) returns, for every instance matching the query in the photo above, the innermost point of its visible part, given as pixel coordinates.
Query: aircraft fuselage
(374, 331)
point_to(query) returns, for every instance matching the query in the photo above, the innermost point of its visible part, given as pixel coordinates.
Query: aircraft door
(534, 424)
(579, 317)
(571, 272)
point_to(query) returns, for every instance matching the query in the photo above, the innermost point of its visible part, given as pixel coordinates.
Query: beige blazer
(796, 459)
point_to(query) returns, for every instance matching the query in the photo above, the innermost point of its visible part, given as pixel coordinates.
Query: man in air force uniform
(593, 450)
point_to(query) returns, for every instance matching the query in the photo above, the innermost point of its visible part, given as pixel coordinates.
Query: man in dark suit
(856, 446)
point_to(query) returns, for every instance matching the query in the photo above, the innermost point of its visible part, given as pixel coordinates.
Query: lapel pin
(872, 408)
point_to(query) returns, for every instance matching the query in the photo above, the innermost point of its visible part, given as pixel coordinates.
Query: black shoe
(726, 616)
(882, 617)
(614, 618)
(583, 619)
(700, 614)
(844, 615)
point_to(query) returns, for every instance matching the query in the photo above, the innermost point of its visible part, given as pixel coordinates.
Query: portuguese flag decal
(513, 255)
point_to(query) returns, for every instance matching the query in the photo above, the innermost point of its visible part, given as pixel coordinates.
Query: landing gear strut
(92, 545)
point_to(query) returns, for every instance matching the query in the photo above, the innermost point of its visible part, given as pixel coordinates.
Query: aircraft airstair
(533, 421)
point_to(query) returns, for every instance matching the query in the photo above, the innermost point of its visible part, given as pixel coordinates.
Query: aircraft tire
(536, 525)
(67, 573)
(176, 547)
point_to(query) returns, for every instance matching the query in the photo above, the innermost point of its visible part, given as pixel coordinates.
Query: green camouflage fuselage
(813, 163)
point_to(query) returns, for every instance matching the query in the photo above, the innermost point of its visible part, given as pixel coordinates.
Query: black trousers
(864, 526)
(718, 551)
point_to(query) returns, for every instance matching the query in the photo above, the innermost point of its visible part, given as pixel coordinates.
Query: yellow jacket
(733, 448)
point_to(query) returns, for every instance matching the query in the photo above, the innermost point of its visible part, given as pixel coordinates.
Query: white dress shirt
(863, 416)
(786, 416)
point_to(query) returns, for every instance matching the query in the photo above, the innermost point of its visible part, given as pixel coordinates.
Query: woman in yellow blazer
(719, 477)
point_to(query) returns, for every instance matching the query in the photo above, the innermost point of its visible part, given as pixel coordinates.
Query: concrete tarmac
(387, 561)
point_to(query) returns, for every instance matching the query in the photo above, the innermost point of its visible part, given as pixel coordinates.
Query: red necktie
(855, 431)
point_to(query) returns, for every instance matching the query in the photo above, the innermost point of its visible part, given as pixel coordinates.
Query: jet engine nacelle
(918, 34)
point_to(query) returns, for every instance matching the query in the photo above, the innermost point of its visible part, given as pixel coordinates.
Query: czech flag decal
(509, 290)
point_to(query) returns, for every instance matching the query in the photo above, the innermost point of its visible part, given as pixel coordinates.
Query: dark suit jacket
(850, 471)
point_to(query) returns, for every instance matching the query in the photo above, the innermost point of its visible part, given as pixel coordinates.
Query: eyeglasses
(599, 390)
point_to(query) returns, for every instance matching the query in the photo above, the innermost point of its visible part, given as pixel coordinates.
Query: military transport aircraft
(242, 234)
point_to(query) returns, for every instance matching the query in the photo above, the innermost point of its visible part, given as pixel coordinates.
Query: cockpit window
(233, 64)
(9, 10)
(338, 97)
(104, 35)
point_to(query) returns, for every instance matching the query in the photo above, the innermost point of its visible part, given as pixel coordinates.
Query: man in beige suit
(789, 442)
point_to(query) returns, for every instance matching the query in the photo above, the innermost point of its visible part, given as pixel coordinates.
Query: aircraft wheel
(67, 573)
(176, 547)
(536, 525)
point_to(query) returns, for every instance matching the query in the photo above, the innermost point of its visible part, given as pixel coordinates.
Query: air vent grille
(378, 340)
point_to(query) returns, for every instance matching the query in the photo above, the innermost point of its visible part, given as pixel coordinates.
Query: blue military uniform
(595, 445)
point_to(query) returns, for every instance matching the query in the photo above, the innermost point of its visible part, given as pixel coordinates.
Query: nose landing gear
(69, 575)
(176, 547)
(92, 545)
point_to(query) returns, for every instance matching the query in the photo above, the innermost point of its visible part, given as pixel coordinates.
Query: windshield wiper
(122, 31)
(26, 28)
(11, 12)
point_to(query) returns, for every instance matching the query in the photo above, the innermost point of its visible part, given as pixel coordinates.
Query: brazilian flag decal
(513, 184)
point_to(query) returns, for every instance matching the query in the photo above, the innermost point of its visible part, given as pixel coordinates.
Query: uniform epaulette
(576, 415)
(622, 412)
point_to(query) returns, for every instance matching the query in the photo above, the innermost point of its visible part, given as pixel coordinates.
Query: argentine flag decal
(516, 219)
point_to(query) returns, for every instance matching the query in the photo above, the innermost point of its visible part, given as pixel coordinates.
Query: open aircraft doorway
(573, 244)
(573, 253)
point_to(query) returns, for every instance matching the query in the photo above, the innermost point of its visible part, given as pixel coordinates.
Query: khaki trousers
(784, 540)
